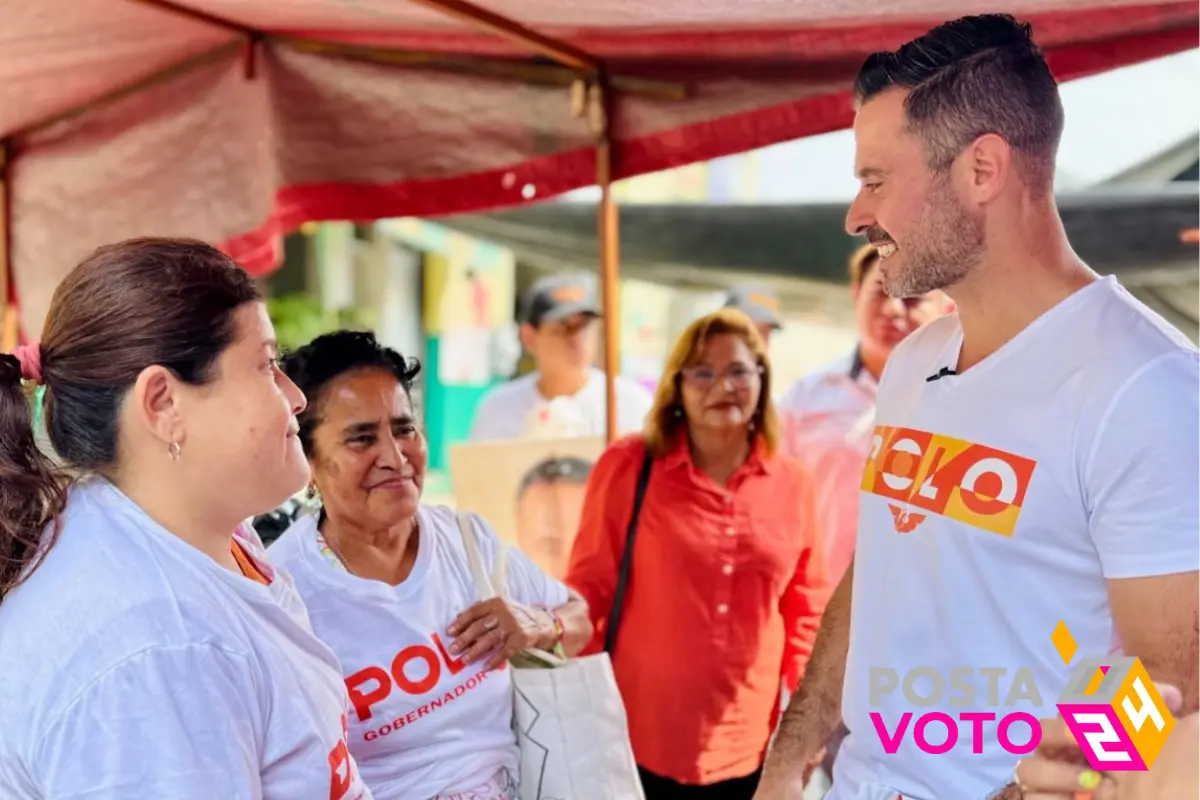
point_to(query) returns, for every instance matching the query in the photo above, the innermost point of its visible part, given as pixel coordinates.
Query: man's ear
(988, 161)
(528, 337)
(156, 403)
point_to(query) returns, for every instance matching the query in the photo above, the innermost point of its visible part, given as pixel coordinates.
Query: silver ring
(490, 623)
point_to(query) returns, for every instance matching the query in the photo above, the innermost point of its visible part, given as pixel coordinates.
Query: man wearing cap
(559, 332)
(760, 305)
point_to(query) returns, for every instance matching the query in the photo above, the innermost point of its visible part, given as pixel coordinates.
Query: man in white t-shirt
(560, 332)
(1035, 456)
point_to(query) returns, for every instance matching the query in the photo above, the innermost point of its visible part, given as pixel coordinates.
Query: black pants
(659, 788)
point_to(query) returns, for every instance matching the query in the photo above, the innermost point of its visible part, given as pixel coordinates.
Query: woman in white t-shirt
(388, 587)
(147, 650)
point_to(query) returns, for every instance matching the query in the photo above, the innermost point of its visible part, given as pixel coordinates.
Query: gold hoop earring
(175, 451)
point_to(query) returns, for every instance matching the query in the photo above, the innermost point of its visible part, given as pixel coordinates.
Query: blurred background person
(728, 578)
(149, 649)
(389, 588)
(828, 416)
(761, 305)
(549, 505)
(560, 331)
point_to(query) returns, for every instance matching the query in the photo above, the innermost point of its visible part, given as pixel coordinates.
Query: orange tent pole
(608, 235)
(597, 105)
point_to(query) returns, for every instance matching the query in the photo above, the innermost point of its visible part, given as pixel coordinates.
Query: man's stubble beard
(946, 248)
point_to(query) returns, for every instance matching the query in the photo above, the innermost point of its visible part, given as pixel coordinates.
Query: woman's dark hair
(128, 306)
(316, 364)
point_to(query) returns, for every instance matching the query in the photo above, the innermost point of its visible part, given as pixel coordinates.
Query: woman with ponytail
(147, 649)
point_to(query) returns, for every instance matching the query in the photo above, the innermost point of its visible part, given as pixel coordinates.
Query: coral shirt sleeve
(596, 554)
(804, 599)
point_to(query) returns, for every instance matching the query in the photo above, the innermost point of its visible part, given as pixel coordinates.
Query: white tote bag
(568, 714)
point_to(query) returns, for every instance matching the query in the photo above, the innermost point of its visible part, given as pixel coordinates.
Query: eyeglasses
(739, 376)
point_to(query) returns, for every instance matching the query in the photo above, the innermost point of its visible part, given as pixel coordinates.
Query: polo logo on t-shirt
(416, 671)
(971, 483)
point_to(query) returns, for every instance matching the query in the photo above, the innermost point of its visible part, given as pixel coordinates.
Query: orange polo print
(929, 473)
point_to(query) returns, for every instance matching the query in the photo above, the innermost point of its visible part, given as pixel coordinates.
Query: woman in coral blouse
(727, 581)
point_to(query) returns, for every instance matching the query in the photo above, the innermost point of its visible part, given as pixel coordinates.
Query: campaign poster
(530, 490)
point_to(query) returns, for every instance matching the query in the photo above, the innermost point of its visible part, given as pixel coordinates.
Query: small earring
(175, 451)
(677, 411)
(311, 492)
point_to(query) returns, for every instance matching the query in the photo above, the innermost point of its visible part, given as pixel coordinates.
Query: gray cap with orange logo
(557, 297)
(758, 303)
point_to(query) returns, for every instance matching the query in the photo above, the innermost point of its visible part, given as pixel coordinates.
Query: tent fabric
(257, 131)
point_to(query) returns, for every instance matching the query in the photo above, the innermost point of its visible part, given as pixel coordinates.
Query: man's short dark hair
(970, 77)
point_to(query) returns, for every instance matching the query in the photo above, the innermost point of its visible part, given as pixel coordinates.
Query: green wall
(448, 409)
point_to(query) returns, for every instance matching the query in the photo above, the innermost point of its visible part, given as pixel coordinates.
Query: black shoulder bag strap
(639, 495)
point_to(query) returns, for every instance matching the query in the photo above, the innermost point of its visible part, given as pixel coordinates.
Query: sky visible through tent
(1114, 121)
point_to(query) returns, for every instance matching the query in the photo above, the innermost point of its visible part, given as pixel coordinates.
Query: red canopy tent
(237, 120)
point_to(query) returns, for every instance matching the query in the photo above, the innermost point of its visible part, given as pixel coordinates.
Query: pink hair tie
(30, 356)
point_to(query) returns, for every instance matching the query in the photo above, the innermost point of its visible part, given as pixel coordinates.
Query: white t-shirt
(1080, 438)
(134, 666)
(503, 413)
(827, 419)
(424, 724)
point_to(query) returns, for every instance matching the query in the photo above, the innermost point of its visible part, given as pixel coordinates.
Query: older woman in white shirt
(388, 587)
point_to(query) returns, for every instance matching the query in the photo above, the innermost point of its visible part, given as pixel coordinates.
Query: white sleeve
(177, 722)
(526, 583)
(1141, 477)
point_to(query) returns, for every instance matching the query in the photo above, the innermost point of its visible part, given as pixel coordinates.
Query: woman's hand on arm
(499, 629)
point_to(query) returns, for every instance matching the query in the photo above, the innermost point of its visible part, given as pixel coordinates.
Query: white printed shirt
(1000, 501)
(424, 724)
(135, 666)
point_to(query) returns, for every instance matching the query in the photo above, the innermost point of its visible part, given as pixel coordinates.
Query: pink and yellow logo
(1113, 709)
